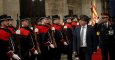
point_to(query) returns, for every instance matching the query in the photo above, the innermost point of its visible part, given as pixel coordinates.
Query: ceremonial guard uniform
(26, 40)
(49, 22)
(75, 21)
(13, 31)
(6, 43)
(58, 37)
(107, 37)
(10, 26)
(68, 34)
(44, 38)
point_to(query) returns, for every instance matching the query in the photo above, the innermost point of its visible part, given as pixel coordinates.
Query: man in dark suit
(84, 39)
(107, 36)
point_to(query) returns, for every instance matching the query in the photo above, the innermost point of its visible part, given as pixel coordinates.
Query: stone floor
(64, 57)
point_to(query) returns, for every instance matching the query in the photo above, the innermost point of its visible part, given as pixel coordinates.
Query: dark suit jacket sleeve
(94, 40)
(75, 40)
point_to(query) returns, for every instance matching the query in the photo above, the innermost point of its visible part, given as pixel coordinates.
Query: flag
(94, 12)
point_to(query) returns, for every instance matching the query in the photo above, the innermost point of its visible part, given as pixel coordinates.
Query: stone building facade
(53, 7)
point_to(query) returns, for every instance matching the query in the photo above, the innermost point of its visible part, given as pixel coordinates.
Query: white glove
(77, 58)
(31, 28)
(35, 52)
(78, 23)
(74, 53)
(52, 46)
(65, 43)
(36, 30)
(17, 31)
(15, 56)
(22, 25)
(97, 20)
(90, 22)
(62, 23)
(53, 28)
(65, 27)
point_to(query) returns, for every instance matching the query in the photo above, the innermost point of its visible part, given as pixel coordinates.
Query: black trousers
(55, 54)
(58, 52)
(84, 54)
(105, 51)
(51, 53)
(68, 51)
(3, 56)
(112, 52)
(108, 51)
(45, 53)
(35, 57)
(25, 54)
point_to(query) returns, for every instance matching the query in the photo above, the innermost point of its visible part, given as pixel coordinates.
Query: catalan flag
(94, 12)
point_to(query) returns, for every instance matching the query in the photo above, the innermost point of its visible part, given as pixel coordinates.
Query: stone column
(99, 7)
(1, 7)
(77, 7)
(105, 6)
(86, 5)
(12, 8)
(56, 7)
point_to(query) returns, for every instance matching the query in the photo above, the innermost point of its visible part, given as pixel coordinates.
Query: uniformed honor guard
(107, 37)
(10, 24)
(27, 46)
(44, 38)
(68, 36)
(14, 36)
(75, 21)
(6, 44)
(57, 37)
(49, 22)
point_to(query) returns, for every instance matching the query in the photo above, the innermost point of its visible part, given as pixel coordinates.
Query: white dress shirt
(83, 42)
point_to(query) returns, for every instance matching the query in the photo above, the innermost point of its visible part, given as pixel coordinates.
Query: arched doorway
(32, 8)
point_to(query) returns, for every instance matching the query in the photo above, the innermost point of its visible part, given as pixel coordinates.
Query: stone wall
(56, 7)
(11, 7)
(1, 7)
(80, 7)
(52, 7)
(77, 7)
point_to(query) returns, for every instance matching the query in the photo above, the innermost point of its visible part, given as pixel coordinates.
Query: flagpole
(94, 12)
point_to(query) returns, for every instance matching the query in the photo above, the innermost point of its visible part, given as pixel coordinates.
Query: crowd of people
(48, 39)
